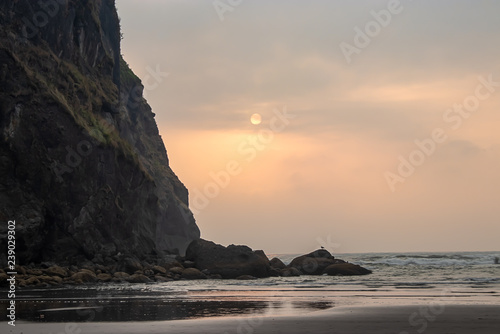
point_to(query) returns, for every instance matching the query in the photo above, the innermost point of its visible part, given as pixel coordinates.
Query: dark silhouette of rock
(192, 273)
(246, 277)
(346, 269)
(83, 169)
(288, 272)
(277, 263)
(56, 271)
(138, 278)
(85, 276)
(229, 262)
(313, 263)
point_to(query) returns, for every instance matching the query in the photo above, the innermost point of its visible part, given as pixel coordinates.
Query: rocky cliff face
(84, 172)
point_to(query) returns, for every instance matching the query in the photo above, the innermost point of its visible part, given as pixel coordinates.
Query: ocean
(398, 279)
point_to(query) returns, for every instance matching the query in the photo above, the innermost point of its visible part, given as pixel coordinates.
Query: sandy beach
(440, 319)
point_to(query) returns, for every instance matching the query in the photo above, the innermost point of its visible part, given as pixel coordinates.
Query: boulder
(159, 270)
(346, 269)
(229, 262)
(273, 272)
(84, 275)
(245, 277)
(131, 265)
(277, 263)
(104, 278)
(162, 279)
(176, 270)
(192, 273)
(188, 264)
(56, 271)
(288, 272)
(121, 275)
(137, 278)
(314, 263)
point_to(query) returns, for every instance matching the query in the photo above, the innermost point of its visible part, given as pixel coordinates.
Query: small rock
(277, 263)
(246, 277)
(104, 277)
(20, 270)
(121, 275)
(192, 273)
(288, 272)
(176, 270)
(346, 269)
(159, 270)
(131, 265)
(188, 264)
(35, 272)
(161, 279)
(215, 276)
(56, 271)
(137, 278)
(84, 275)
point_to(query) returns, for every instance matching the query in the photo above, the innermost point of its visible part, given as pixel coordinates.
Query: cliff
(84, 171)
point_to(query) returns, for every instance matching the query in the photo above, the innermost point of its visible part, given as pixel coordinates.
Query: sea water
(397, 279)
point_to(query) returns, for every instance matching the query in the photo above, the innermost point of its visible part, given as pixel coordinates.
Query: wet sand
(431, 318)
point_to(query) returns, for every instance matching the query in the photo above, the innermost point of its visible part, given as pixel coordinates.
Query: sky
(378, 127)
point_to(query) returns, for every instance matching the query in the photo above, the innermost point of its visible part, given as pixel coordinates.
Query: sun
(255, 119)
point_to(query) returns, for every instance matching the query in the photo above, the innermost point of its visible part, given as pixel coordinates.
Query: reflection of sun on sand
(256, 119)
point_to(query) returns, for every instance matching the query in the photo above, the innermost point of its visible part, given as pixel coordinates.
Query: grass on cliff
(81, 96)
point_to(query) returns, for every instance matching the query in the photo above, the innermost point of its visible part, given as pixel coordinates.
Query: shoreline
(428, 318)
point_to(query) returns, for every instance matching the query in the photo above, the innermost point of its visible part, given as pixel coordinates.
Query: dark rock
(131, 265)
(288, 272)
(34, 272)
(277, 263)
(104, 278)
(245, 277)
(273, 272)
(215, 276)
(192, 273)
(56, 271)
(3, 280)
(20, 270)
(137, 278)
(313, 263)
(161, 279)
(121, 275)
(229, 262)
(176, 270)
(85, 276)
(159, 270)
(346, 269)
(188, 264)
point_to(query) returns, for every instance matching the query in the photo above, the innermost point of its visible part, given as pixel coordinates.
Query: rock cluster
(130, 271)
(204, 259)
(242, 262)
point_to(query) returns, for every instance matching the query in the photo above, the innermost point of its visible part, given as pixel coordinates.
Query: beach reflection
(96, 306)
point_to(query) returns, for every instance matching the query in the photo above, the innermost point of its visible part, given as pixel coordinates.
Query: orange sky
(319, 177)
